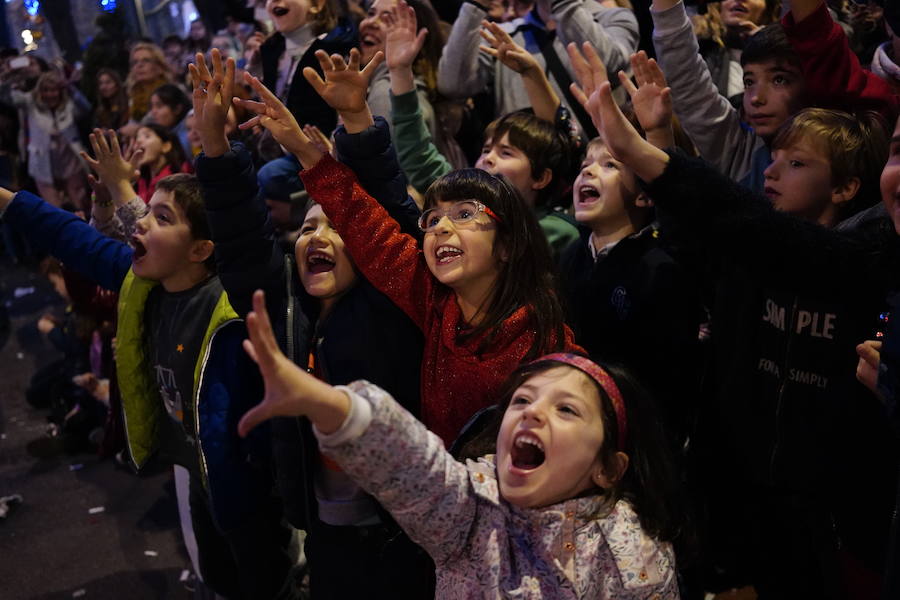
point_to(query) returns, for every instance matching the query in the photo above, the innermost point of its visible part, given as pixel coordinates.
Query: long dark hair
(526, 269)
(651, 483)
(175, 157)
(112, 112)
(172, 96)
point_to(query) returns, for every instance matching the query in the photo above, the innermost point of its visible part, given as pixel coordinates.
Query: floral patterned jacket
(482, 546)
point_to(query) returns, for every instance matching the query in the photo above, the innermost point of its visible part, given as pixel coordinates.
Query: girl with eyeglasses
(480, 287)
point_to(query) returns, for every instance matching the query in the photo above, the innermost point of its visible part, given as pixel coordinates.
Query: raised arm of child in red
(834, 77)
(389, 259)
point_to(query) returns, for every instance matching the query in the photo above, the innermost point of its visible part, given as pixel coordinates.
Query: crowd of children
(490, 306)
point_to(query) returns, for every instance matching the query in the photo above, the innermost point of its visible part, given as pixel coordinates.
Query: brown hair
(324, 19)
(856, 147)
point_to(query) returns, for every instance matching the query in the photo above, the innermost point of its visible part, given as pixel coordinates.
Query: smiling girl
(480, 288)
(571, 505)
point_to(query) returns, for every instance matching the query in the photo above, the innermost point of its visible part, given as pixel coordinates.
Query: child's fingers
(256, 415)
(581, 68)
(626, 83)
(420, 37)
(216, 57)
(488, 50)
(270, 99)
(655, 73)
(114, 143)
(250, 123)
(870, 352)
(261, 333)
(352, 64)
(251, 105)
(369, 70)
(488, 37)
(92, 139)
(324, 61)
(195, 78)
(312, 76)
(202, 69)
(579, 94)
(90, 161)
(102, 144)
(598, 69)
(228, 83)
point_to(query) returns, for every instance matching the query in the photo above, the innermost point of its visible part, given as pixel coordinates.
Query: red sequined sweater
(455, 381)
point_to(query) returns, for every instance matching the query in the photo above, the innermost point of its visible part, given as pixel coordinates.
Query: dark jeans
(373, 562)
(250, 562)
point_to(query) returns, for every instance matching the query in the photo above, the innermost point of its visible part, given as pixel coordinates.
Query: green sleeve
(419, 158)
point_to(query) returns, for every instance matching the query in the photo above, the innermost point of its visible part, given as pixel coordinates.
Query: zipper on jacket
(203, 466)
(781, 388)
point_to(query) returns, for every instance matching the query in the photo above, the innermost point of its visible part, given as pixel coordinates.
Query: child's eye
(519, 400)
(163, 218)
(797, 164)
(307, 229)
(748, 83)
(780, 80)
(565, 408)
(610, 165)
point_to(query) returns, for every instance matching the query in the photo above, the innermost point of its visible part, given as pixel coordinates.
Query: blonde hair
(158, 57)
(856, 147)
(711, 27)
(48, 79)
(324, 19)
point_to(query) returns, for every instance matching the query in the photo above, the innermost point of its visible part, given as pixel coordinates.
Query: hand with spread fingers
(402, 44)
(622, 139)
(272, 114)
(506, 50)
(114, 169)
(290, 391)
(651, 99)
(321, 141)
(345, 86)
(212, 97)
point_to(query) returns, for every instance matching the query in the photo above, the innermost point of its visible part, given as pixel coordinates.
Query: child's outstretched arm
(247, 255)
(419, 157)
(651, 99)
(116, 170)
(543, 99)
(68, 238)
(378, 443)
(708, 117)
(390, 260)
(728, 218)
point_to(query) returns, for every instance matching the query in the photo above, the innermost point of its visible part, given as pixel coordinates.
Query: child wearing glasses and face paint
(480, 288)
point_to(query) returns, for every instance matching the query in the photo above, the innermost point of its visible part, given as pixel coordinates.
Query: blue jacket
(226, 383)
(365, 337)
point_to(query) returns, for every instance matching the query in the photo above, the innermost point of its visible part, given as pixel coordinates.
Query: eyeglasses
(459, 212)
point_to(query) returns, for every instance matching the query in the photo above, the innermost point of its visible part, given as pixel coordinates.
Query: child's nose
(771, 171)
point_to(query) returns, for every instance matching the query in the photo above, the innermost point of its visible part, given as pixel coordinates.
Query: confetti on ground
(97, 510)
(185, 574)
(76, 467)
(79, 593)
(151, 553)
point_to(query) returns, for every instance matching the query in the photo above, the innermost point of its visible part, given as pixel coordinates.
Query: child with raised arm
(480, 289)
(580, 500)
(466, 71)
(787, 416)
(183, 378)
(330, 320)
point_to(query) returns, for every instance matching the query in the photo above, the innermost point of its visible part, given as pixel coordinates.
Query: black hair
(172, 96)
(188, 195)
(526, 268)
(769, 44)
(175, 157)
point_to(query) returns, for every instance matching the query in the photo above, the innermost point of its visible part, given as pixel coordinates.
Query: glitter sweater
(483, 546)
(456, 380)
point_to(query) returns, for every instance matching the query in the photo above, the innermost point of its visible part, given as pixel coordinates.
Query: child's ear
(607, 476)
(846, 191)
(201, 250)
(643, 201)
(166, 147)
(543, 181)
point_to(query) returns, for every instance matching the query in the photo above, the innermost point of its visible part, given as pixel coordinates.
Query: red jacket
(455, 381)
(146, 188)
(834, 77)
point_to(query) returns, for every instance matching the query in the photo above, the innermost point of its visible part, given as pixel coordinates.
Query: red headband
(603, 379)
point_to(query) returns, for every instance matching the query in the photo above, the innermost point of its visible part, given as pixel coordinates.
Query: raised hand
(622, 139)
(321, 141)
(274, 116)
(212, 99)
(651, 99)
(506, 50)
(402, 42)
(345, 85)
(115, 171)
(290, 391)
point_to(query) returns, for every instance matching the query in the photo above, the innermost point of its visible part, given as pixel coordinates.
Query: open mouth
(446, 254)
(588, 193)
(140, 251)
(527, 451)
(771, 192)
(280, 11)
(319, 262)
(739, 9)
(368, 41)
